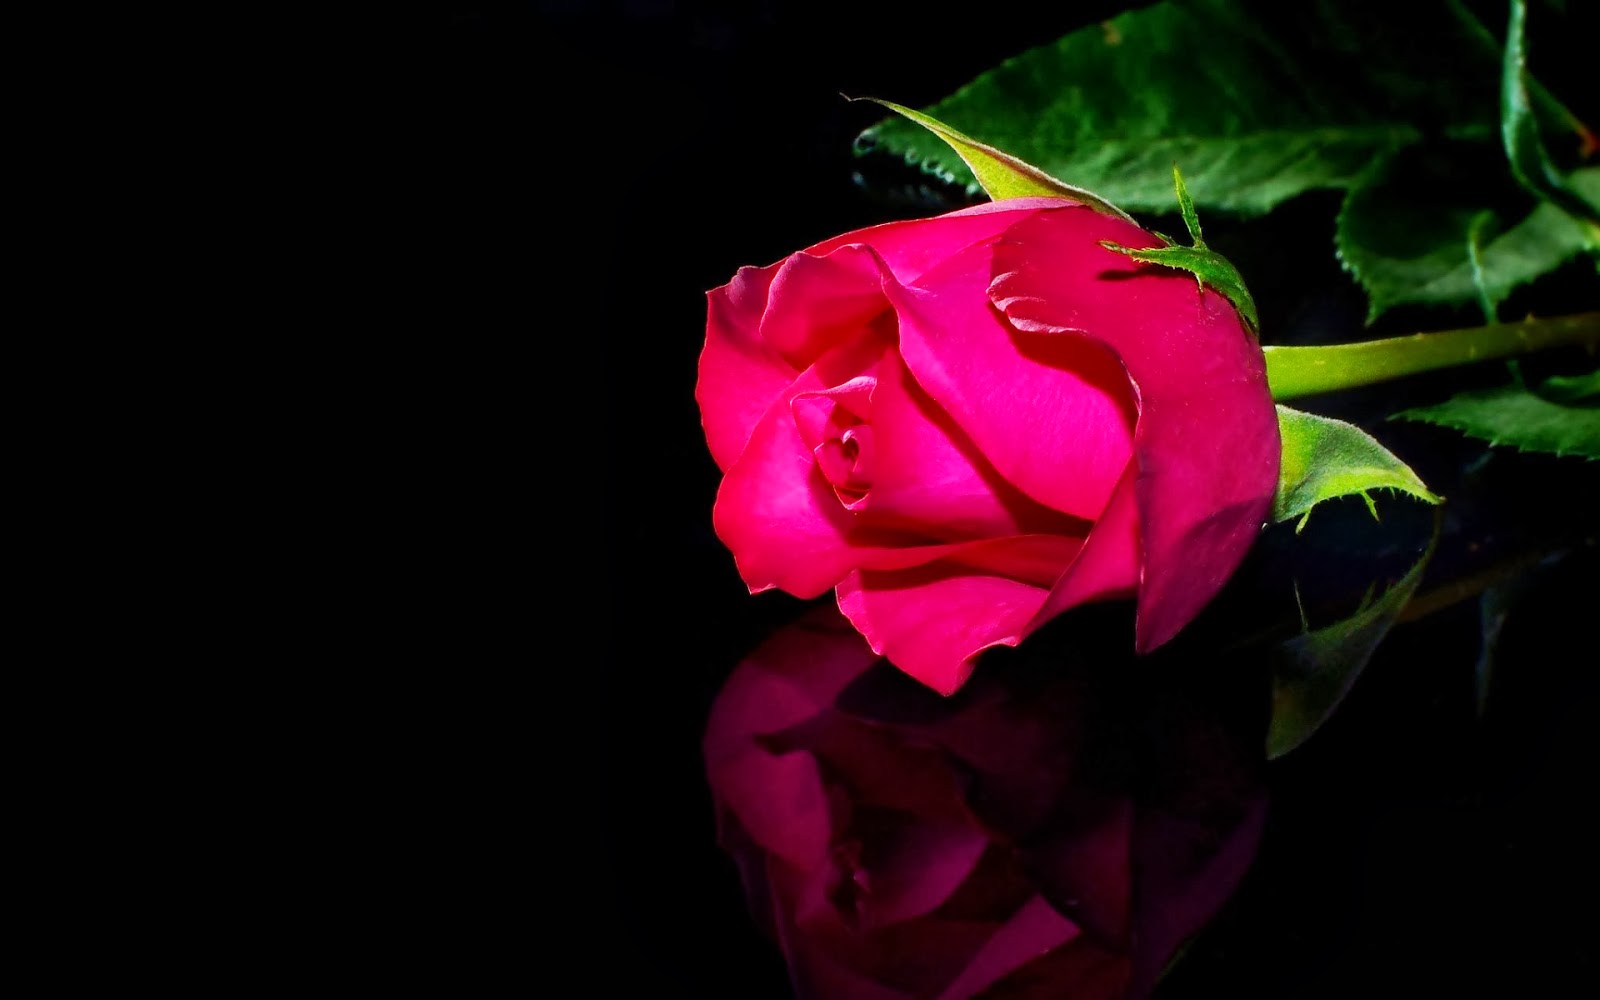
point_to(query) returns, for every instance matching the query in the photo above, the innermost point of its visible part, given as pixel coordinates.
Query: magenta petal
(739, 374)
(922, 867)
(779, 799)
(1183, 902)
(770, 323)
(819, 300)
(1034, 930)
(1207, 438)
(1108, 565)
(775, 512)
(928, 475)
(1084, 862)
(826, 413)
(933, 620)
(912, 247)
(1054, 416)
(816, 973)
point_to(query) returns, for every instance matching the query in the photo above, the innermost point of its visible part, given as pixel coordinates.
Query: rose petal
(819, 300)
(910, 248)
(827, 413)
(778, 514)
(933, 620)
(1083, 864)
(1109, 565)
(779, 799)
(1053, 416)
(1034, 930)
(927, 475)
(1081, 971)
(920, 867)
(1207, 438)
(1176, 904)
(768, 324)
(913, 841)
(774, 511)
(739, 374)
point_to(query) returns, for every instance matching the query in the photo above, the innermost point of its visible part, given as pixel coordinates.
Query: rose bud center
(833, 424)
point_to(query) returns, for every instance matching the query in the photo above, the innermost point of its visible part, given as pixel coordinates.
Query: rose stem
(1305, 371)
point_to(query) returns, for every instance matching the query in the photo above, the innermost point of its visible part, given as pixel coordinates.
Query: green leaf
(1325, 458)
(1423, 227)
(1551, 112)
(1568, 389)
(1259, 100)
(1208, 266)
(1519, 131)
(1316, 670)
(1000, 174)
(1556, 417)
(1406, 233)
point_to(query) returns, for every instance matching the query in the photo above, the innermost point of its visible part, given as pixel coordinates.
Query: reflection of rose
(1024, 839)
(971, 423)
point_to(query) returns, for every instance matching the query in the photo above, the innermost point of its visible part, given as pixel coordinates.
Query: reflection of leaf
(1552, 417)
(1325, 458)
(1315, 670)
(1258, 100)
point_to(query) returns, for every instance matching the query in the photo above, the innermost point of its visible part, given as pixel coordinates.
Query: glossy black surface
(1412, 845)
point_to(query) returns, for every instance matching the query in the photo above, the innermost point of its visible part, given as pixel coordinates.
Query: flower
(968, 424)
(1044, 835)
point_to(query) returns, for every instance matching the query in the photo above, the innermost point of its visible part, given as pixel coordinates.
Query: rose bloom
(1043, 836)
(968, 424)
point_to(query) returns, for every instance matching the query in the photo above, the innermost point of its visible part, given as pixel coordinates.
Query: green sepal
(1000, 174)
(1324, 458)
(1208, 266)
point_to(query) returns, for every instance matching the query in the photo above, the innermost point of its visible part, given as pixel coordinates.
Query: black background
(586, 171)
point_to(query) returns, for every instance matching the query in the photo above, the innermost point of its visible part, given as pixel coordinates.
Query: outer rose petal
(910, 248)
(1054, 416)
(1034, 930)
(933, 620)
(739, 375)
(1207, 439)
(1108, 566)
(817, 301)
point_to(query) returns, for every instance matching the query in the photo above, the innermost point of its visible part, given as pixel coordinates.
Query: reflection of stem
(1305, 371)
(1427, 602)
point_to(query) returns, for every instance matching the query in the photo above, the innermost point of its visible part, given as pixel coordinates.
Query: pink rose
(1042, 836)
(971, 423)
